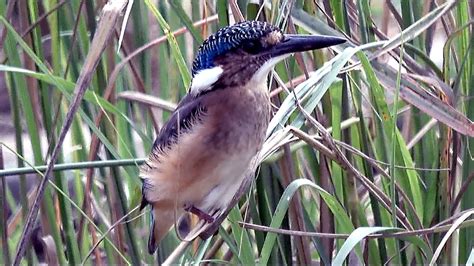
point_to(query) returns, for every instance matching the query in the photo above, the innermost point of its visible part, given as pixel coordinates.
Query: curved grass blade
(314, 88)
(402, 156)
(56, 81)
(69, 199)
(282, 207)
(470, 260)
(355, 237)
(421, 99)
(446, 237)
(409, 93)
(67, 88)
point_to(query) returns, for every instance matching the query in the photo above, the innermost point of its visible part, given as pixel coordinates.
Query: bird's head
(247, 51)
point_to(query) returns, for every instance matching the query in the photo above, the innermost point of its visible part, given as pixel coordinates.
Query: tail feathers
(161, 222)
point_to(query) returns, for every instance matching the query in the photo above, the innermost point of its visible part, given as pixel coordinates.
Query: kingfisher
(200, 155)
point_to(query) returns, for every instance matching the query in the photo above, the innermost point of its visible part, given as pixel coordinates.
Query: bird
(197, 161)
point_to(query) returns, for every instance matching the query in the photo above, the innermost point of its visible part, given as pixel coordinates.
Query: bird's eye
(252, 47)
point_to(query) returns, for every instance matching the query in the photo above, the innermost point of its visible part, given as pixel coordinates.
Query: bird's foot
(199, 213)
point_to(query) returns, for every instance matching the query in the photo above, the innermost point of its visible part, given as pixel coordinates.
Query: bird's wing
(189, 111)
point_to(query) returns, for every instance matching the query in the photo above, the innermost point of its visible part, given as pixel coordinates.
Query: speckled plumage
(205, 167)
(201, 155)
(228, 39)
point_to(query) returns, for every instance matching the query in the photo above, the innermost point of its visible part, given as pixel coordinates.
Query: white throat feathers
(262, 73)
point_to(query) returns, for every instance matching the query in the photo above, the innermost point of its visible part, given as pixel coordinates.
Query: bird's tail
(162, 219)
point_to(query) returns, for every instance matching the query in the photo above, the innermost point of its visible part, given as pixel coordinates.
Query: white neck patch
(204, 79)
(262, 73)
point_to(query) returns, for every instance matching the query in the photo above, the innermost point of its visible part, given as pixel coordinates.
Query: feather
(228, 39)
(188, 112)
(204, 79)
(162, 219)
(200, 154)
(152, 242)
(206, 230)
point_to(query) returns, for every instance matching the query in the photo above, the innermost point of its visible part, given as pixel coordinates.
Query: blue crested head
(240, 35)
(247, 51)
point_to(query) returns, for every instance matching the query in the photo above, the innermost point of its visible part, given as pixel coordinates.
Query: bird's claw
(199, 213)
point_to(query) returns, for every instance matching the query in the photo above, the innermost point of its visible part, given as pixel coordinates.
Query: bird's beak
(299, 43)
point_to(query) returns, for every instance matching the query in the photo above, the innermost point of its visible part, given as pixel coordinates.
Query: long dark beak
(299, 43)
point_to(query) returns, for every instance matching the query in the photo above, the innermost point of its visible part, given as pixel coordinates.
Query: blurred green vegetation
(373, 165)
